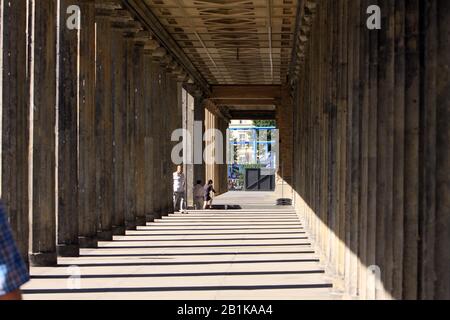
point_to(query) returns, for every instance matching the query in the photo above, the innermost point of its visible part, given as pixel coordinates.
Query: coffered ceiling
(232, 41)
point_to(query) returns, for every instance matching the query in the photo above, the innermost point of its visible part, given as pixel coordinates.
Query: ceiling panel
(232, 41)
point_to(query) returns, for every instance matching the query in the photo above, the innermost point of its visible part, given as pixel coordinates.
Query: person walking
(179, 195)
(207, 194)
(13, 271)
(198, 195)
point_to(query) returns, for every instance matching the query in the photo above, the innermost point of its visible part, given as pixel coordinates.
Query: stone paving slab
(215, 254)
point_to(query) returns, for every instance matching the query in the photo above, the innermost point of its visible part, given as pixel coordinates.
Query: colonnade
(87, 115)
(371, 150)
(215, 150)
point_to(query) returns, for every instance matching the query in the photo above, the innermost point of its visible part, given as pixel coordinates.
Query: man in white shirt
(179, 184)
(198, 195)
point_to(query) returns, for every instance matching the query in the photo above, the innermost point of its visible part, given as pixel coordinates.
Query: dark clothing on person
(208, 189)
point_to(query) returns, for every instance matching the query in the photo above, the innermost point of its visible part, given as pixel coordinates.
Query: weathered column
(188, 124)
(412, 128)
(68, 244)
(319, 67)
(170, 122)
(333, 205)
(442, 289)
(399, 150)
(129, 163)
(365, 144)
(161, 108)
(330, 119)
(139, 155)
(156, 134)
(223, 168)
(197, 136)
(103, 132)
(178, 100)
(285, 122)
(325, 67)
(166, 179)
(15, 120)
(149, 140)
(87, 215)
(43, 100)
(174, 122)
(342, 134)
(372, 151)
(118, 97)
(385, 146)
(354, 116)
(427, 170)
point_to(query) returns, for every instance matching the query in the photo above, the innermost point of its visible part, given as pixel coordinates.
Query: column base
(68, 251)
(150, 217)
(165, 214)
(130, 225)
(104, 235)
(43, 259)
(118, 230)
(141, 221)
(157, 215)
(88, 242)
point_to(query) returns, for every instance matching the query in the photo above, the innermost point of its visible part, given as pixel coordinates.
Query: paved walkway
(256, 252)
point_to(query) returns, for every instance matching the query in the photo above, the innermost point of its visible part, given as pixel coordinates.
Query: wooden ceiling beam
(252, 115)
(245, 102)
(245, 92)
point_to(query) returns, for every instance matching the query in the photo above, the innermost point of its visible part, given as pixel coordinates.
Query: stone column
(118, 96)
(442, 289)
(354, 157)
(43, 100)
(399, 150)
(87, 216)
(328, 136)
(173, 122)
(149, 139)
(341, 151)
(197, 136)
(165, 141)
(15, 123)
(412, 128)
(68, 244)
(129, 169)
(139, 123)
(162, 176)
(365, 145)
(284, 122)
(385, 146)
(224, 166)
(166, 165)
(333, 143)
(428, 139)
(103, 132)
(352, 179)
(324, 8)
(189, 126)
(372, 151)
(155, 139)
